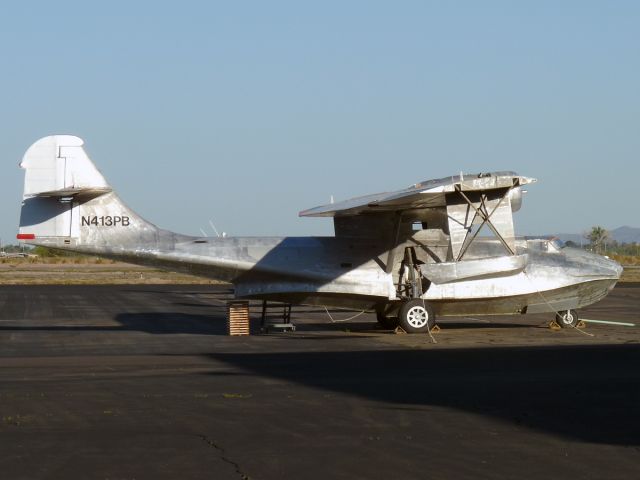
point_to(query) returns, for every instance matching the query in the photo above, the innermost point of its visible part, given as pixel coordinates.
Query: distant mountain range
(621, 235)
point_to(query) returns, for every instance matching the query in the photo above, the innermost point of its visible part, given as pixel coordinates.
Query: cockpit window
(546, 245)
(556, 244)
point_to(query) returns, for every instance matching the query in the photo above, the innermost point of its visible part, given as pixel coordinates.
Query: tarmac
(142, 382)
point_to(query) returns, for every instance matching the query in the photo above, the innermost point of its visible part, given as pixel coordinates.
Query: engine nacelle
(515, 196)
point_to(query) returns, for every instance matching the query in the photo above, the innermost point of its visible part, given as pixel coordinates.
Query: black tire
(567, 318)
(416, 316)
(388, 323)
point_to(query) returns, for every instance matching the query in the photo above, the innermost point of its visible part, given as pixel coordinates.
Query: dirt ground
(25, 272)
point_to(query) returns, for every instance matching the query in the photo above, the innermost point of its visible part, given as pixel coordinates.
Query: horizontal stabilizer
(77, 192)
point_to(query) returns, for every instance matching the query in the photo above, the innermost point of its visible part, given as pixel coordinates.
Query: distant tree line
(600, 241)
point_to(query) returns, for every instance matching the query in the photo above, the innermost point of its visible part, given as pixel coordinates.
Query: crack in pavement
(223, 456)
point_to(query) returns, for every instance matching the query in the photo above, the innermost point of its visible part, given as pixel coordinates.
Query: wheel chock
(581, 324)
(553, 325)
(400, 331)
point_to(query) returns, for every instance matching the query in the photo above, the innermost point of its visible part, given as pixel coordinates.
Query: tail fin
(67, 203)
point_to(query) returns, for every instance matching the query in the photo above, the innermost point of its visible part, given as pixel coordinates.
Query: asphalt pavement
(142, 382)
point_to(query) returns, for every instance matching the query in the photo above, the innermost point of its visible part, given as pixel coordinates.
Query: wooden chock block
(238, 317)
(553, 325)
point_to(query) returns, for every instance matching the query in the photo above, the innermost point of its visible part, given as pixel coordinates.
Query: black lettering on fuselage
(105, 221)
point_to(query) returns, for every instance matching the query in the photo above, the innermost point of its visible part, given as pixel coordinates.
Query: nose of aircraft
(616, 267)
(608, 268)
(593, 265)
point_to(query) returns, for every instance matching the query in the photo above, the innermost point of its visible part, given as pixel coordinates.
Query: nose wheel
(567, 318)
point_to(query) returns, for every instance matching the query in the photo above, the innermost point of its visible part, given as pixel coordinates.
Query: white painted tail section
(67, 203)
(56, 169)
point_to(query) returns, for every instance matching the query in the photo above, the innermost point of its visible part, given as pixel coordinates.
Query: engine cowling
(515, 197)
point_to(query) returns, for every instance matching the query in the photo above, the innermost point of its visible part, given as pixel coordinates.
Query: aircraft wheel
(416, 316)
(388, 323)
(567, 318)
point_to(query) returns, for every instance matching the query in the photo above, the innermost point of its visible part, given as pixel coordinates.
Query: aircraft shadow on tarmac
(586, 393)
(173, 322)
(152, 322)
(214, 323)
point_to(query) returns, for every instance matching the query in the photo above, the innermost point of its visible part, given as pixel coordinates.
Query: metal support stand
(267, 326)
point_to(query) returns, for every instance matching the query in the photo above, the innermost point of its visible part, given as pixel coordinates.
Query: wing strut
(484, 214)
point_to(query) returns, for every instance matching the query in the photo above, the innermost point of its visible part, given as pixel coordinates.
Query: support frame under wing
(469, 212)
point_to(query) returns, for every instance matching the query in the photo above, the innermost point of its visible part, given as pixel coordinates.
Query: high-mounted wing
(427, 194)
(467, 201)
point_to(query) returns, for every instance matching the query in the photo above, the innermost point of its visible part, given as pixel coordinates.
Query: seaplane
(443, 247)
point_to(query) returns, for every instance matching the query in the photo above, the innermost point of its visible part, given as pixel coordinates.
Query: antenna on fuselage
(214, 228)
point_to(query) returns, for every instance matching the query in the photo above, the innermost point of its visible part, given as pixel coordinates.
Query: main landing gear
(414, 316)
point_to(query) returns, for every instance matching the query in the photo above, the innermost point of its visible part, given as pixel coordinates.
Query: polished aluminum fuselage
(350, 272)
(429, 230)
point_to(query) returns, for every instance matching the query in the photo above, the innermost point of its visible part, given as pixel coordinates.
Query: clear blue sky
(247, 112)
